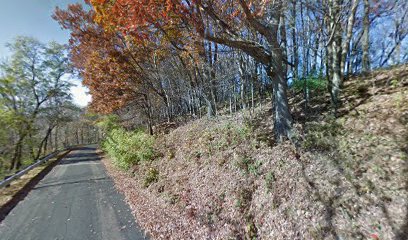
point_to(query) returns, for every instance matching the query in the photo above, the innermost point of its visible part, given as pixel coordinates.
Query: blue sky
(33, 18)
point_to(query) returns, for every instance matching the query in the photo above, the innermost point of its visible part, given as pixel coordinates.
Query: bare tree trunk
(56, 138)
(295, 59)
(284, 42)
(66, 140)
(16, 160)
(230, 104)
(276, 72)
(366, 37)
(82, 134)
(336, 79)
(213, 60)
(254, 81)
(304, 44)
(242, 81)
(148, 113)
(235, 101)
(51, 143)
(210, 107)
(252, 95)
(43, 143)
(77, 136)
(45, 147)
(200, 114)
(168, 107)
(282, 116)
(315, 51)
(349, 34)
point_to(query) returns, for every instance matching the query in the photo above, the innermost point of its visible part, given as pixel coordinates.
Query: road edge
(23, 192)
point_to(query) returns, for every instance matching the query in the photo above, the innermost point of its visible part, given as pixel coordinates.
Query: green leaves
(34, 95)
(314, 83)
(128, 148)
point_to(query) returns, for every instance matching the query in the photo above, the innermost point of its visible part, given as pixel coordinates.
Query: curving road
(75, 201)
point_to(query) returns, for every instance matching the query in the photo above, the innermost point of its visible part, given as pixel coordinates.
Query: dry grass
(226, 178)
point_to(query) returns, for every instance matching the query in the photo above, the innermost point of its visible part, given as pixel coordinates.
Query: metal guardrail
(7, 181)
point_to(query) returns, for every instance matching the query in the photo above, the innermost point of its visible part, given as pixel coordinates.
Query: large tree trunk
(284, 41)
(336, 78)
(366, 37)
(282, 116)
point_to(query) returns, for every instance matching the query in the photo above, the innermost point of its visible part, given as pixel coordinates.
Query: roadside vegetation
(263, 119)
(228, 119)
(126, 148)
(223, 177)
(17, 190)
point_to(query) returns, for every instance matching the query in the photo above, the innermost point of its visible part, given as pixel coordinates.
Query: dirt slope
(226, 178)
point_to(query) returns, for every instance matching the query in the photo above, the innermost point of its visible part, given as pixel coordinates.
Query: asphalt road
(76, 200)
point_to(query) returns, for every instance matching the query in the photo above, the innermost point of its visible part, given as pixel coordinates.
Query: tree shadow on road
(92, 180)
(22, 193)
(95, 158)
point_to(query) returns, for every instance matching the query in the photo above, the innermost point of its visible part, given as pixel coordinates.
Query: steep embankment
(225, 178)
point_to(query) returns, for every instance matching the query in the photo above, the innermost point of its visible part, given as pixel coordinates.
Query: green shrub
(152, 176)
(128, 148)
(312, 83)
(254, 167)
(249, 165)
(108, 123)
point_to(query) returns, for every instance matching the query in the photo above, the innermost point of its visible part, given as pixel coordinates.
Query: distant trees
(176, 59)
(31, 79)
(34, 100)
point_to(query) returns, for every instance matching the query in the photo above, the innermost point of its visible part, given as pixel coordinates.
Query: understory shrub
(127, 148)
(314, 83)
(152, 176)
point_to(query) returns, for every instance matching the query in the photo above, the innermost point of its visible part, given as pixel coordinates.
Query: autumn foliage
(181, 58)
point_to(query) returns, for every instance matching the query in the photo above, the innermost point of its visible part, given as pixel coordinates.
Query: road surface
(75, 201)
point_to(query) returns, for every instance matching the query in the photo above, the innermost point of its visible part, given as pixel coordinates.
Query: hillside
(344, 178)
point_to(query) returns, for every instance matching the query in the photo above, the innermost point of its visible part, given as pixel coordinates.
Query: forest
(173, 60)
(36, 109)
(244, 119)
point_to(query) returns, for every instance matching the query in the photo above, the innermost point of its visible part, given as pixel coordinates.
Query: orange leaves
(100, 58)
(135, 17)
